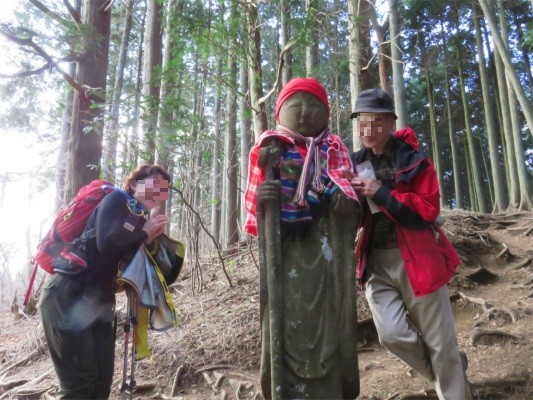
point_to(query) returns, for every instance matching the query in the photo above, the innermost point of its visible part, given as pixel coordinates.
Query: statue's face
(304, 113)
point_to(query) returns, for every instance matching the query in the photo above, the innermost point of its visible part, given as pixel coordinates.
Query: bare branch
(73, 12)
(29, 42)
(48, 12)
(109, 5)
(24, 74)
(206, 231)
(287, 47)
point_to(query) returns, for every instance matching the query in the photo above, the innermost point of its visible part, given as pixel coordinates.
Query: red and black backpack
(62, 248)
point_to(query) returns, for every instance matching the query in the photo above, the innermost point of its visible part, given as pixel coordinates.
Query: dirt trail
(214, 352)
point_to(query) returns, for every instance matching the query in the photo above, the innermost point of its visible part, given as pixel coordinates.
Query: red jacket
(414, 204)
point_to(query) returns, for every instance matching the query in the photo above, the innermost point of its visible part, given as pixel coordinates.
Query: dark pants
(80, 337)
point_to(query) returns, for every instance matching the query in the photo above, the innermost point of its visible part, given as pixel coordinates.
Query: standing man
(404, 259)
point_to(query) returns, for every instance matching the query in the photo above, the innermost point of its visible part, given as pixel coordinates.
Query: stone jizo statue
(305, 213)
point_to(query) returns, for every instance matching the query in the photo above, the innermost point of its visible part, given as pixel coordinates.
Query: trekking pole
(133, 318)
(271, 217)
(127, 327)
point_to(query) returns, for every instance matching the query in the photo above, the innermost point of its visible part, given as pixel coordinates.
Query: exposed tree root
(219, 380)
(506, 311)
(5, 386)
(505, 252)
(424, 394)
(19, 362)
(176, 381)
(28, 389)
(476, 300)
(482, 275)
(144, 386)
(523, 263)
(500, 383)
(489, 336)
(488, 387)
(212, 367)
(489, 311)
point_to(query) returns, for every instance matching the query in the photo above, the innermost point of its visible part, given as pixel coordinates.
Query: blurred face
(375, 130)
(304, 113)
(150, 191)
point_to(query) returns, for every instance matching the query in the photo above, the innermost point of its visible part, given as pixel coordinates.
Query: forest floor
(214, 352)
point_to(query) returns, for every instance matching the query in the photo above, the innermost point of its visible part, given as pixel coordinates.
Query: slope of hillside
(214, 352)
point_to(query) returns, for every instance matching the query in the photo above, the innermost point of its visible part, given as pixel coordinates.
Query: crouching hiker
(77, 310)
(404, 258)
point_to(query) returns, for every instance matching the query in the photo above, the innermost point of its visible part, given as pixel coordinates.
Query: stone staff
(271, 283)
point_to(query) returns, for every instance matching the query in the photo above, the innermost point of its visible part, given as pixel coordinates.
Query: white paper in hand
(366, 170)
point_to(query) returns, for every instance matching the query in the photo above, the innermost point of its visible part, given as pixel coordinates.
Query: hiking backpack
(62, 248)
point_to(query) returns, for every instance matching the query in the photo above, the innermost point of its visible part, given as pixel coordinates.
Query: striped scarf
(311, 171)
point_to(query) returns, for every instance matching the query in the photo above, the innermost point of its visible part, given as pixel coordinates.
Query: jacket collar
(409, 162)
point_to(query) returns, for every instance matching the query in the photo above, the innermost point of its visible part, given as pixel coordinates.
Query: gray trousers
(429, 345)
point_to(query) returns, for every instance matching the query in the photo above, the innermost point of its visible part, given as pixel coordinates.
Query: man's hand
(365, 187)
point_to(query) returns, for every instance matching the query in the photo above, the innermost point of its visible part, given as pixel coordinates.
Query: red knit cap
(309, 85)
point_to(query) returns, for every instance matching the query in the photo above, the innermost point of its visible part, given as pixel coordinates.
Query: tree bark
(285, 16)
(398, 84)
(87, 110)
(246, 134)
(230, 143)
(434, 137)
(256, 74)
(311, 50)
(151, 81)
(132, 143)
(523, 184)
(510, 70)
(490, 126)
(359, 54)
(110, 154)
(215, 168)
(478, 202)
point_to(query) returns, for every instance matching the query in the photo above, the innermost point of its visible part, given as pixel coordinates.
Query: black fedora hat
(373, 101)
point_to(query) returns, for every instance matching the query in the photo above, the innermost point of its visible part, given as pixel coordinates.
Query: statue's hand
(342, 204)
(268, 191)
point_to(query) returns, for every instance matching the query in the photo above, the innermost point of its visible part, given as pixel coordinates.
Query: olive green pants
(80, 338)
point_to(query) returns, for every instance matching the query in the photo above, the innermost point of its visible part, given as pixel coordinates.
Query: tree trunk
(87, 109)
(383, 51)
(168, 107)
(455, 156)
(110, 154)
(508, 136)
(285, 16)
(359, 53)
(523, 184)
(230, 143)
(246, 134)
(492, 135)
(400, 102)
(510, 70)
(256, 74)
(311, 50)
(215, 171)
(525, 55)
(133, 142)
(151, 81)
(472, 144)
(435, 138)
